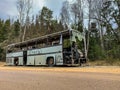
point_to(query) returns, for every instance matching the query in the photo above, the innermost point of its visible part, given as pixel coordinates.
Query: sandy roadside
(100, 69)
(2, 64)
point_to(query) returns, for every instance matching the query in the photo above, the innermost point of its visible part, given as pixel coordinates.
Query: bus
(60, 48)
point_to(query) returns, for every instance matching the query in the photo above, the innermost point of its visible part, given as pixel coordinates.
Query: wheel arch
(47, 59)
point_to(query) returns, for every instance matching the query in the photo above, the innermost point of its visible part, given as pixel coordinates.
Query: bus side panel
(10, 61)
(30, 60)
(39, 56)
(7, 61)
(10, 57)
(20, 61)
(40, 60)
(59, 58)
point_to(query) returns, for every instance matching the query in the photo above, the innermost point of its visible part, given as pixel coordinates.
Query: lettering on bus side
(32, 52)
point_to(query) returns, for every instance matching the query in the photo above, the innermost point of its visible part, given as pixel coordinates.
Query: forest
(99, 20)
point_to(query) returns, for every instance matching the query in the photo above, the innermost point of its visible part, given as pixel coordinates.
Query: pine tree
(16, 28)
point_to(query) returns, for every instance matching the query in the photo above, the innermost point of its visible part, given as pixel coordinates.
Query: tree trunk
(24, 33)
(88, 37)
(85, 46)
(101, 35)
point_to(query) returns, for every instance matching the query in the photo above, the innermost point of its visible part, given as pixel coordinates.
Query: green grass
(107, 62)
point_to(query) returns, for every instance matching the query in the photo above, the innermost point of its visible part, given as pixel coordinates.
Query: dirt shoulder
(100, 69)
(2, 64)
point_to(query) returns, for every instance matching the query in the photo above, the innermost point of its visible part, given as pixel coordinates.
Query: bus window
(66, 43)
(55, 43)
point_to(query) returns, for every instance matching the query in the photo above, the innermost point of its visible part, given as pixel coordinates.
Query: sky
(8, 7)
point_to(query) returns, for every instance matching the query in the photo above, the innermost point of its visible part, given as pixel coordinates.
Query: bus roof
(65, 32)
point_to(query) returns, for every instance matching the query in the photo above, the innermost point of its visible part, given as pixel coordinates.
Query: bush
(114, 53)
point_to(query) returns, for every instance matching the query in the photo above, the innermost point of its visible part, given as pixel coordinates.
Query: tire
(50, 62)
(80, 62)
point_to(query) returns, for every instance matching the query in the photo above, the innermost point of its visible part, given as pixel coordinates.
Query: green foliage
(16, 28)
(111, 9)
(4, 29)
(80, 44)
(45, 18)
(78, 26)
(114, 53)
(1, 55)
(1, 30)
(95, 52)
(46, 14)
(66, 43)
(109, 13)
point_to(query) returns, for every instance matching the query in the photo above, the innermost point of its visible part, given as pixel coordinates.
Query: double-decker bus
(53, 49)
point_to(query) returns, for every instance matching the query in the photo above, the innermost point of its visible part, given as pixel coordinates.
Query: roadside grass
(93, 67)
(2, 63)
(107, 62)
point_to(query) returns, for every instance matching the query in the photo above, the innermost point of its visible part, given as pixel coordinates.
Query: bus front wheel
(50, 62)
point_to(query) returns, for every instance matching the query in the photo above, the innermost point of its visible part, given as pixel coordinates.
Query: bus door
(24, 57)
(16, 61)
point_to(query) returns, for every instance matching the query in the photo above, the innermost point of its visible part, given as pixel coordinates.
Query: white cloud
(38, 3)
(37, 6)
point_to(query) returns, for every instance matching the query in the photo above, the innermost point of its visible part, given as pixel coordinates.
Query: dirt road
(53, 80)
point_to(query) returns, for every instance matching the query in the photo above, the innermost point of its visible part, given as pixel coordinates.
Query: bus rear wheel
(50, 62)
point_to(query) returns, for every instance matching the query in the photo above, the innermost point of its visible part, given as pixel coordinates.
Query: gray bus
(53, 49)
